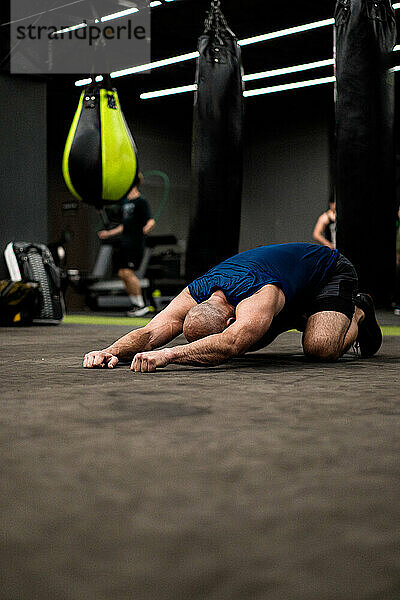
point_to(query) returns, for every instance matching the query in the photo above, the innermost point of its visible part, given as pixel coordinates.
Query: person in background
(325, 228)
(136, 222)
(397, 293)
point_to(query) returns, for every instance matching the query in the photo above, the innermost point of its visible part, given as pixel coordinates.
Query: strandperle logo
(91, 33)
(79, 37)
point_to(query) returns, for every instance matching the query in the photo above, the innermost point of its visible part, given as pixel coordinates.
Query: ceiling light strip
(285, 32)
(289, 86)
(118, 15)
(168, 92)
(247, 94)
(286, 70)
(155, 65)
(73, 28)
(245, 42)
(250, 77)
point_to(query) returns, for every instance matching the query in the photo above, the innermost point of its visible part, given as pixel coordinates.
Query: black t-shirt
(134, 215)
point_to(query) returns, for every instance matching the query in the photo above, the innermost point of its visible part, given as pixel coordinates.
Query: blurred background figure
(325, 227)
(128, 239)
(397, 292)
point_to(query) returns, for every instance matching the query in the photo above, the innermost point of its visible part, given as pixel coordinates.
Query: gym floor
(266, 478)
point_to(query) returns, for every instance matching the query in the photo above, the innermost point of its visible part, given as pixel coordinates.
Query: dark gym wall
(287, 166)
(23, 162)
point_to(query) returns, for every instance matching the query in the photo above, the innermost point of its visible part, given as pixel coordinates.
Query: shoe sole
(369, 334)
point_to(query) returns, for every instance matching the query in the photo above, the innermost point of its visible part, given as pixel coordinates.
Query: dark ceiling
(176, 26)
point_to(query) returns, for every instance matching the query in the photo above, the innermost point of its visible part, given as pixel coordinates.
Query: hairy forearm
(126, 347)
(144, 339)
(206, 352)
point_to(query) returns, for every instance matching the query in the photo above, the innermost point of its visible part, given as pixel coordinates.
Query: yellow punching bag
(100, 158)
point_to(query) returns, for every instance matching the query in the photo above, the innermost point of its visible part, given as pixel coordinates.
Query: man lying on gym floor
(243, 303)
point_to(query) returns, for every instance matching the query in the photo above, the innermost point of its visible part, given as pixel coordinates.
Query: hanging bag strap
(215, 23)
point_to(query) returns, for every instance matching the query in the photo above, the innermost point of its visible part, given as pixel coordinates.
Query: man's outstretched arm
(253, 319)
(162, 329)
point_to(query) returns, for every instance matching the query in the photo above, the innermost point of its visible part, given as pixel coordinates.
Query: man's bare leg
(131, 282)
(329, 334)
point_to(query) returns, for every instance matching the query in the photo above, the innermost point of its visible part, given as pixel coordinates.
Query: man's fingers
(139, 363)
(112, 362)
(87, 361)
(99, 359)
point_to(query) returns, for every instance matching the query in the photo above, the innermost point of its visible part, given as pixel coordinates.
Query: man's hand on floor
(99, 358)
(148, 362)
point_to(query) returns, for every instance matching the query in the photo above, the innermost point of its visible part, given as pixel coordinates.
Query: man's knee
(125, 273)
(321, 349)
(324, 336)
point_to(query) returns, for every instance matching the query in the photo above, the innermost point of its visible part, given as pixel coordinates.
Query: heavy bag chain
(215, 22)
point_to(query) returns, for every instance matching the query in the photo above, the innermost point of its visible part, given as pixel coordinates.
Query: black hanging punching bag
(365, 33)
(217, 148)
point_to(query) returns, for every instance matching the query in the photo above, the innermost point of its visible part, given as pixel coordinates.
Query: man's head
(209, 317)
(134, 191)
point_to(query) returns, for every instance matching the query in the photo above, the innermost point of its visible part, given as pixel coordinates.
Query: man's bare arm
(318, 233)
(253, 319)
(162, 329)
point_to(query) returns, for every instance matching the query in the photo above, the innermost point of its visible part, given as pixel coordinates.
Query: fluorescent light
(82, 82)
(284, 32)
(396, 48)
(289, 86)
(99, 78)
(192, 55)
(169, 92)
(394, 69)
(155, 65)
(73, 28)
(286, 70)
(250, 77)
(245, 42)
(118, 15)
(258, 92)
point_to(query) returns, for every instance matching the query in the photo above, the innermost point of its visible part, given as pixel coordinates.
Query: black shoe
(369, 337)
